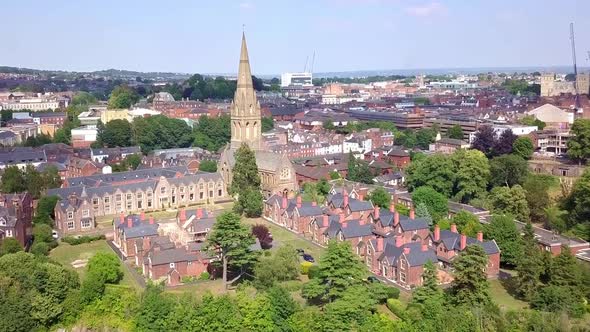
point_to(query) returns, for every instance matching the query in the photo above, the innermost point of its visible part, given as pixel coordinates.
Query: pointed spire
(244, 73)
(83, 194)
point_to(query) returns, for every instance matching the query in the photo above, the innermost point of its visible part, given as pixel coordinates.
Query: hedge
(74, 241)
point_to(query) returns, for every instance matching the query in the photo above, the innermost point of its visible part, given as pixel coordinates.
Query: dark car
(300, 251)
(373, 279)
(308, 258)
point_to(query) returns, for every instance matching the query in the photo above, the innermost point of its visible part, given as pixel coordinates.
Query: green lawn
(199, 289)
(66, 254)
(281, 236)
(503, 298)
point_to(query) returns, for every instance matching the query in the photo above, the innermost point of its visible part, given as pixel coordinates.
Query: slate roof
(172, 256)
(358, 205)
(149, 173)
(308, 210)
(408, 224)
(453, 241)
(355, 229)
(334, 227)
(17, 157)
(416, 257)
(139, 229)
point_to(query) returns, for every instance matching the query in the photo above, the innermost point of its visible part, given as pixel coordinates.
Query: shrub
(397, 307)
(186, 279)
(292, 285)
(74, 241)
(205, 276)
(40, 248)
(313, 271)
(305, 267)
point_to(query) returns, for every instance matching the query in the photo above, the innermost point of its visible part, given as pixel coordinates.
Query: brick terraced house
(391, 245)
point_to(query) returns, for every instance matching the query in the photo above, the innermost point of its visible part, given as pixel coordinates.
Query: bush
(74, 241)
(397, 307)
(292, 285)
(186, 279)
(205, 276)
(305, 267)
(40, 248)
(313, 271)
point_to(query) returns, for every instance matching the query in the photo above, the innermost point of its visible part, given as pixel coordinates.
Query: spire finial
(243, 28)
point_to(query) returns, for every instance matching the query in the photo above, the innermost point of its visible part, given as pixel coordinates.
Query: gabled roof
(308, 210)
(356, 205)
(172, 256)
(354, 229)
(452, 241)
(408, 224)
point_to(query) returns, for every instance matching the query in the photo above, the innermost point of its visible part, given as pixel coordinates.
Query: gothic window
(285, 173)
(247, 130)
(86, 223)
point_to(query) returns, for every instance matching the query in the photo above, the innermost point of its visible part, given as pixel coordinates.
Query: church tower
(245, 109)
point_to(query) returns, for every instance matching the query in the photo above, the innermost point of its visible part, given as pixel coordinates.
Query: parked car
(300, 251)
(373, 279)
(308, 258)
(54, 234)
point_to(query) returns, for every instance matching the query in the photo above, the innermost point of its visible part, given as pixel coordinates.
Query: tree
(429, 289)
(422, 212)
(154, 309)
(12, 180)
(577, 203)
(208, 166)
(537, 195)
(472, 176)
(502, 228)
(338, 270)
(123, 97)
(380, 197)
(485, 139)
(523, 147)
(283, 265)
(579, 144)
(358, 170)
(437, 203)
(504, 143)
(116, 133)
(9, 245)
(34, 181)
(510, 201)
(212, 133)
(267, 124)
(508, 170)
(106, 266)
(282, 307)
(42, 233)
(529, 265)
(263, 235)
(232, 241)
(46, 205)
(455, 132)
(467, 223)
(51, 177)
(436, 171)
(245, 172)
(424, 137)
(470, 285)
(530, 120)
(161, 132)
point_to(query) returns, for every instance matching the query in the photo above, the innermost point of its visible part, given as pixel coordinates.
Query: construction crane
(576, 98)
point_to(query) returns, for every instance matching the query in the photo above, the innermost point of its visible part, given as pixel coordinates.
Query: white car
(54, 234)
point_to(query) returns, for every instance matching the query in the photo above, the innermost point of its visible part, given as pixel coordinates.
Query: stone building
(276, 171)
(551, 87)
(81, 202)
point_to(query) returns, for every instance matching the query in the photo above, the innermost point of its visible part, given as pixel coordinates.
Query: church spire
(244, 73)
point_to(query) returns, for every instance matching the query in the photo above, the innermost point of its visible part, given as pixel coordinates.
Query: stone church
(276, 171)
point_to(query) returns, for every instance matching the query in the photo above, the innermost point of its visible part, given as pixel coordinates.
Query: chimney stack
(392, 207)
(395, 219)
(142, 216)
(314, 203)
(299, 201)
(345, 201)
(436, 233)
(395, 199)
(412, 213)
(199, 213)
(424, 247)
(361, 197)
(326, 220)
(344, 224)
(454, 228)
(480, 236)
(376, 212)
(182, 216)
(341, 216)
(129, 222)
(406, 250)
(399, 241)
(151, 220)
(122, 218)
(284, 203)
(463, 241)
(379, 244)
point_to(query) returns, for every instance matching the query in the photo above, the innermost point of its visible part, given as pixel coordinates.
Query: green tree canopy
(281, 266)
(510, 201)
(455, 132)
(115, 133)
(529, 266)
(437, 203)
(523, 147)
(123, 97)
(472, 176)
(212, 133)
(436, 171)
(502, 229)
(246, 183)
(508, 170)
(161, 132)
(579, 144)
(380, 197)
(470, 285)
(467, 223)
(209, 166)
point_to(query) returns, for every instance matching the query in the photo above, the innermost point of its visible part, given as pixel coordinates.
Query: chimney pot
(463, 241)
(395, 219)
(341, 216)
(424, 247)
(454, 228)
(326, 220)
(392, 207)
(399, 241)
(376, 212)
(129, 222)
(182, 215)
(406, 250)
(412, 213)
(122, 218)
(344, 224)
(314, 203)
(151, 220)
(284, 203)
(199, 213)
(379, 244)
(480, 236)
(299, 201)
(142, 216)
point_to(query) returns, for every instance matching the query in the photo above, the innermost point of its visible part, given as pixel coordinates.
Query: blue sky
(203, 35)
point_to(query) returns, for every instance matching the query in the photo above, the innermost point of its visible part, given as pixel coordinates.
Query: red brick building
(16, 213)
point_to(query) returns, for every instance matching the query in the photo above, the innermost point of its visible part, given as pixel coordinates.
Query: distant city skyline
(346, 35)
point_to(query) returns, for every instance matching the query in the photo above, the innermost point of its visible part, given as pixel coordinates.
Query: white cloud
(427, 10)
(246, 5)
